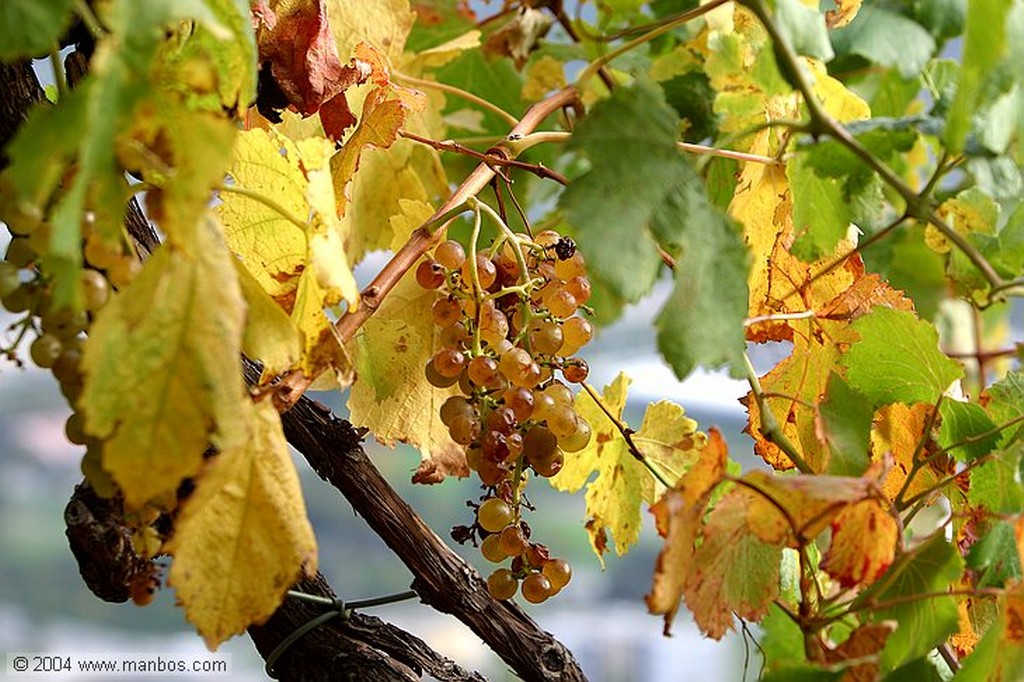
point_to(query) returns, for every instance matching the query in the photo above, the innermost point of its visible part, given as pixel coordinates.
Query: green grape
(558, 572)
(547, 468)
(491, 549)
(95, 288)
(99, 254)
(578, 439)
(430, 274)
(561, 303)
(64, 323)
(542, 405)
(560, 393)
(455, 406)
(124, 271)
(576, 333)
(562, 421)
(576, 266)
(579, 287)
(545, 337)
(74, 429)
(473, 457)
(20, 253)
(45, 350)
(19, 300)
(450, 254)
(502, 584)
(512, 363)
(536, 588)
(485, 272)
(494, 515)
(9, 278)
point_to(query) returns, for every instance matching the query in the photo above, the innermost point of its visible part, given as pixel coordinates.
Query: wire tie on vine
(338, 608)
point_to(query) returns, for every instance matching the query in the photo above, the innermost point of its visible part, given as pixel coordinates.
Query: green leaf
(962, 421)
(918, 670)
(782, 643)
(898, 359)
(31, 28)
(617, 207)
(846, 424)
(883, 137)
(691, 95)
(984, 47)
(995, 485)
(1006, 402)
(995, 557)
(702, 321)
(162, 381)
(886, 38)
(821, 214)
(804, 29)
(495, 80)
(922, 623)
(943, 18)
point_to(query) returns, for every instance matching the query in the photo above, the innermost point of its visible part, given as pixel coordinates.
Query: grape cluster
(508, 328)
(59, 332)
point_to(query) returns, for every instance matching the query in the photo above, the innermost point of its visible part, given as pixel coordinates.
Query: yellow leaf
(438, 56)
(678, 516)
(290, 262)
(667, 438)
(865, 538)
(162, 368)
(242, 538)
(384, 24)
(270, 336)
(391, 395)
(843, 14)
(543, 76)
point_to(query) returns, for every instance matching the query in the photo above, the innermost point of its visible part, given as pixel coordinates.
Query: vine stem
(918, 205)
(458, 92)
(599, 63)
(292, 385)
(452, 146)
(770, 428)
(627, 435)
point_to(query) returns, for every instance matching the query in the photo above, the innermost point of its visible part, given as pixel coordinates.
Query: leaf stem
(627, 435)
(458, 92)
(89, 19)
(770, 428)
(266, 201)
(59, 76)
(539, 170)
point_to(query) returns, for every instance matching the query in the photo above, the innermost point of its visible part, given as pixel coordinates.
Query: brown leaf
(866, 642)
(518, 37)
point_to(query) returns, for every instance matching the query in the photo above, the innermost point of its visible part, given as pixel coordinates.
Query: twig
(537, 169)
(627, 435)
(778, 317)
(458, 92)
(295, 383)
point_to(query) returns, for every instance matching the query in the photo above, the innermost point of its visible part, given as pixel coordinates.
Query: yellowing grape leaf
(678, 514)
(865, 537)
(733, 571)
(161, 368)
(543, 76)
(383, 24)
(668, 439)
(242, 539)
(281, 185)
(863, 645)
(391, 396)
(270, 336)
(843, 14)
(790, 506)
(897, 432)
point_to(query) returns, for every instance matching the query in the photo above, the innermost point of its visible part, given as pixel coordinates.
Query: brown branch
(537, 169)
(294, 384)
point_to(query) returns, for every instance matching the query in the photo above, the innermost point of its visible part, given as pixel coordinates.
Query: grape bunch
(58, 333)
(509, 337)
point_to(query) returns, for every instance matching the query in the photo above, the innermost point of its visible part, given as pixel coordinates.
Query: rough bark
(19, 90)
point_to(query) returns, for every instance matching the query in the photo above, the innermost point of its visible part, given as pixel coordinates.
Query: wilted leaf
(241, 540)
(733, 570)
(678, 514)
(667, 438)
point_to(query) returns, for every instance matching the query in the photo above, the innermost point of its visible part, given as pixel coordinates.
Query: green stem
(475, 276)
(770, 428)
(59, 76)
(266, 201)
(458, 92)
(89, 19)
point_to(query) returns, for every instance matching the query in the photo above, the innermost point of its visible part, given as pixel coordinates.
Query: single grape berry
(45, 350)
(536, 588)
(558, 572)
(450, 254)
(494, 515)
(502, 584)
(491, 549)
(430, 274)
